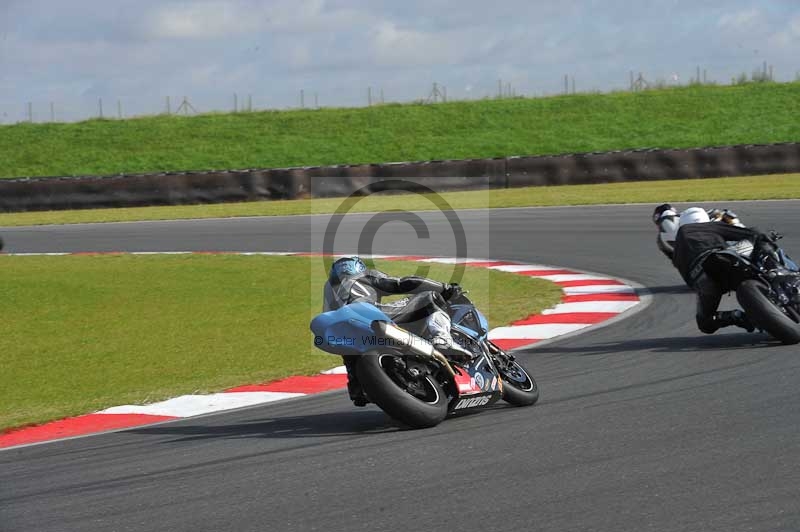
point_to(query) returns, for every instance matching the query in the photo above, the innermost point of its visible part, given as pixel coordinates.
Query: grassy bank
(727, 189)
(77, 339)
(679, 117)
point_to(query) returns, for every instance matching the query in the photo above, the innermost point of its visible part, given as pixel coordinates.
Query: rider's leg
(438, 332)
(708, 297)
(418, 308)
(709, 320)
(353, 386)
(426, 315)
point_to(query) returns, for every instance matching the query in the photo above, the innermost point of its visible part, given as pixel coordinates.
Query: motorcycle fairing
(476, 377)
(470, 320)
(337, 328)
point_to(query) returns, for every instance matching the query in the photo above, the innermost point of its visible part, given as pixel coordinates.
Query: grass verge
(85, 333)
(785, 186)
(671, 118)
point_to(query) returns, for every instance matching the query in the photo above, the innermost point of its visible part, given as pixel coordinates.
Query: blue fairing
(790, 264)
(463, 320)
(347, 331)
(483, 321)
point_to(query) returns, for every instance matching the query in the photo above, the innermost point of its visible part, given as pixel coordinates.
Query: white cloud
(202, 74)
(202, 20)
(394, 46)
(787, 39)
(740, 20)
(219, 18)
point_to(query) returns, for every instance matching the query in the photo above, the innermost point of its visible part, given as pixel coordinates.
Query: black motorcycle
(767, 285)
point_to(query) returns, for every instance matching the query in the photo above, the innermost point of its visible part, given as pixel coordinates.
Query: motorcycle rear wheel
(765, 314)
(417, 402)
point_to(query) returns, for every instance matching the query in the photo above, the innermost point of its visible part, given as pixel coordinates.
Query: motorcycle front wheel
(519, 388)
(766, 315)
(410, 397)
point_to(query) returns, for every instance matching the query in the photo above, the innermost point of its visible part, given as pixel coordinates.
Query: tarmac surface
(645, 424)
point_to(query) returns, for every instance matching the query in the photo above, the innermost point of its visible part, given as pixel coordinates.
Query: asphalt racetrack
(645, 424)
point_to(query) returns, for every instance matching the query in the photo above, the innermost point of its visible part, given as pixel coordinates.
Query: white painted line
(535, 332)
(561, 278)
(338, 370)
(451, 260)
(161, 252)
(513, 268)
(267, 253)
(598, 289)
(193, 405)
(35, 254)
(591, 306)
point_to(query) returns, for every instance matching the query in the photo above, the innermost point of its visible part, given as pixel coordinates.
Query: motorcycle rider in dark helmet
(668, 220)
(350, 281)
(696, 237)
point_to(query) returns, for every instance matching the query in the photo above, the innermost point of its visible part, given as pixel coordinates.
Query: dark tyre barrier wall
(337, 181)
(152, 189)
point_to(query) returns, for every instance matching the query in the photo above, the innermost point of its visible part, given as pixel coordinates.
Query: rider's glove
(715, 215)
(730, 218)
(451, 291)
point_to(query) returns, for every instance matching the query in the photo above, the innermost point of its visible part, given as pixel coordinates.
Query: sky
(61, 58)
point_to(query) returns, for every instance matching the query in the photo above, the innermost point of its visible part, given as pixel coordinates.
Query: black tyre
(418, 402)
(765, 314)
(519, 388)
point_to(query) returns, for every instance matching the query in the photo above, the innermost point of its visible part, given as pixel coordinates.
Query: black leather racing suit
(372, 285)
(693, 245)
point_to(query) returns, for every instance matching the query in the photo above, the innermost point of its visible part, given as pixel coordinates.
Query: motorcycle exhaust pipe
(416, 344)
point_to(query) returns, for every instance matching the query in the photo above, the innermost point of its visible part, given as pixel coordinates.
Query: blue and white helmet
(346, 267)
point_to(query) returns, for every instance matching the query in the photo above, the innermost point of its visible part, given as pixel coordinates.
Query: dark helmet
(346, 267)
(663, 211)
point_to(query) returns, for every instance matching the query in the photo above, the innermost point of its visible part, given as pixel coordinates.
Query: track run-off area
(645, 423)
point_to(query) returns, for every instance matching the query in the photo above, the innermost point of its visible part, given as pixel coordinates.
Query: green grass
(721, 189)
(84, 333)
(670, 118)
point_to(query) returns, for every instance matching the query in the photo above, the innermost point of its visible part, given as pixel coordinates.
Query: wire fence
(131, 107)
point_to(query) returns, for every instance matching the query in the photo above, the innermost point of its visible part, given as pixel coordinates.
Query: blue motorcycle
(409, 378)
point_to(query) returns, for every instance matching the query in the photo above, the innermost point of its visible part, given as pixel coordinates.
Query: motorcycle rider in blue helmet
(350, 281)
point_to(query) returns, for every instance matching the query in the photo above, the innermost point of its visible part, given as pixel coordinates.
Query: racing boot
(438, 325)
(354, 388)
(733, 317)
